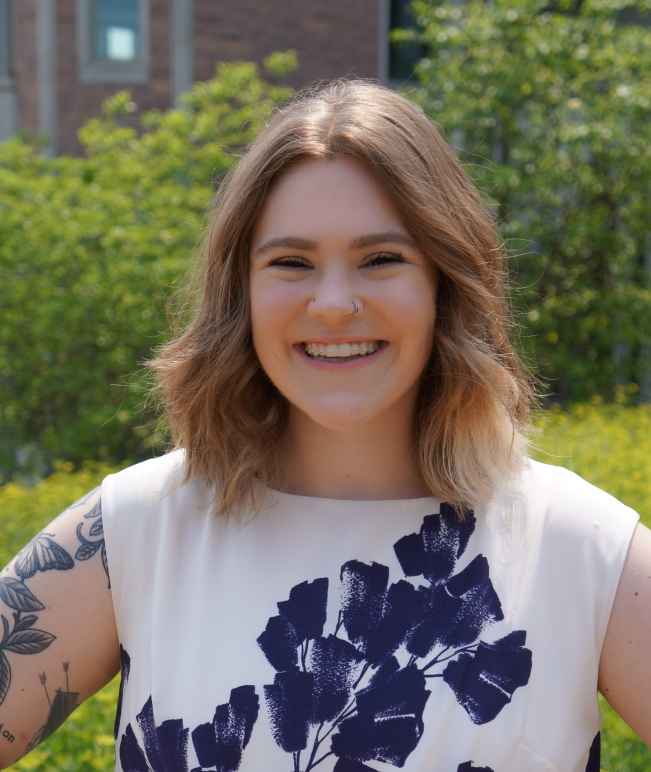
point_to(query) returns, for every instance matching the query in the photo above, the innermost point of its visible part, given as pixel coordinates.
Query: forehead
(324, 193)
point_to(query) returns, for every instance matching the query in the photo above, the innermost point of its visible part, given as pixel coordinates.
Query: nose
(332, 298)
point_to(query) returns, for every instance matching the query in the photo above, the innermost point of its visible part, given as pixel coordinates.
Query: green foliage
(90, 248)
(28, 508)
(552, 108)
(609, 445)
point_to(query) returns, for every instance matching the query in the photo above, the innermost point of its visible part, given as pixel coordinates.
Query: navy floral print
(354, 692)
(434, 624)
(218, 744)
(594, 758)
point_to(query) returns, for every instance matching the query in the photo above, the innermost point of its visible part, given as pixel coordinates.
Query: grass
(609, 445)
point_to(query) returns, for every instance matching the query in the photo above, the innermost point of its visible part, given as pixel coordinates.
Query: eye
(288, 263)
(378, 260)
(390, 257)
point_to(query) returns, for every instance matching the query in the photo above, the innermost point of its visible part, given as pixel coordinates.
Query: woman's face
(304, 292)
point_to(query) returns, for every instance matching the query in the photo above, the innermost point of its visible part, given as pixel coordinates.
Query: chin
(343, 418)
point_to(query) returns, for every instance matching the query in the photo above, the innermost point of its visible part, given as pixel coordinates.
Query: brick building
(59, 59)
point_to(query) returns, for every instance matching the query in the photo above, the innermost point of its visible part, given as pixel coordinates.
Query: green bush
(90, 249)
(610, 445)
(552, 114)
(549, 106)
(607, 444)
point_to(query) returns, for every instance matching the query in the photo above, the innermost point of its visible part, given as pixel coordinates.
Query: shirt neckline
(296, 498)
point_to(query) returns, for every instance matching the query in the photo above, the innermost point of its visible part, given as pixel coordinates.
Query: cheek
(413, 305)
(272, 306)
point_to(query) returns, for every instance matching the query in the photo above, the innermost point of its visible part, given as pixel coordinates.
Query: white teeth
(342, 349)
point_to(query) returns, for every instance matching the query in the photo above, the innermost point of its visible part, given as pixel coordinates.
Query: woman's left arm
(625, 664)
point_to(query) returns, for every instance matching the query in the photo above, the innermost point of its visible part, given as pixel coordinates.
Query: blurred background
(118, 119)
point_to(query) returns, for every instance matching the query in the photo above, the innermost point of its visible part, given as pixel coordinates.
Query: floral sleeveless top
(351, 636)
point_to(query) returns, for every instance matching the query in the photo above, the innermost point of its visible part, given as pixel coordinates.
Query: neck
(367, 462)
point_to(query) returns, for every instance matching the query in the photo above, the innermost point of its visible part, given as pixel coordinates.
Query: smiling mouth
(341, 359)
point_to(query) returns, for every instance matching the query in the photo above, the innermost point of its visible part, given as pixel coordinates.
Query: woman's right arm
(58, 637)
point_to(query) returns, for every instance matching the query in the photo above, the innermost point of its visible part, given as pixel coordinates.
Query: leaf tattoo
(90, 546)
(18, 596)
(43, 553)
(5, 677)
(23, 638)
(29, 641)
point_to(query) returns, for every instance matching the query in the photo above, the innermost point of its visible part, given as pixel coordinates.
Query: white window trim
(92, 71)
(384, 22)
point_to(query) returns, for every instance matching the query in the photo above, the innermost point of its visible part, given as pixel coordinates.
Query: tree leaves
(94, 245)
(551, 110)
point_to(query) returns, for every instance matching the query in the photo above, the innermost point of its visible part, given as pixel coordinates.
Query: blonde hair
(471, 417)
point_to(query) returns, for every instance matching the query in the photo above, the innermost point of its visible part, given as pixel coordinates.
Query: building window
(403, 57)
(8, 107)
(116, 30)
(6, 41)
(113, 39)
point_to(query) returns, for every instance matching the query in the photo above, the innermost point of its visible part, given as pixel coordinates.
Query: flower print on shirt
(594, 755)
(218, 744)
(346, 695)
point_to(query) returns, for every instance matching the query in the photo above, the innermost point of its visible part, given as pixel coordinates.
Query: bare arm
(625, 666)
(58, 640)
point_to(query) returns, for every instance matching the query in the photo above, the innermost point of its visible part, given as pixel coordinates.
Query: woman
(347, 561)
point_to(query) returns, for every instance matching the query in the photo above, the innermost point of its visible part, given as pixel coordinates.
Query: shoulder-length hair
(473, 408)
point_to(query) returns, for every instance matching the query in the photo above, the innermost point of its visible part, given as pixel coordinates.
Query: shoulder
(585, 536)
(146, 508)
(571, 502)
(572, 528)
(145, 494)
(153, 474)
(148, 482)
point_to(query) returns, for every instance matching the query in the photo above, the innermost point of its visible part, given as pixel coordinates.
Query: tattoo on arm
(23, 637)
(61, 706)
(90, 546)
(43, 553)
(6, 734)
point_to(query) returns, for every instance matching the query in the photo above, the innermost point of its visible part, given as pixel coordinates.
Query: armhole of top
(625, 531)
(113, 548)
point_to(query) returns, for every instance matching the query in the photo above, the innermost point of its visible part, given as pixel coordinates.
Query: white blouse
(347, 636)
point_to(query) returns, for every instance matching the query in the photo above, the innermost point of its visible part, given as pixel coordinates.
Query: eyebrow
(368, 240)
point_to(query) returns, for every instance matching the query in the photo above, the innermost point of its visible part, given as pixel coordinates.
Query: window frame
(93, 71)
(7, 44)
(385, 48)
